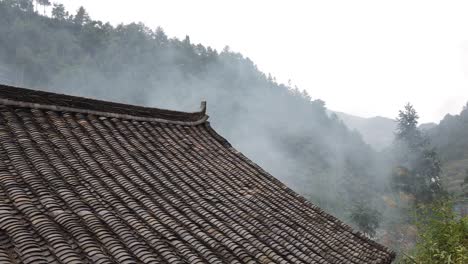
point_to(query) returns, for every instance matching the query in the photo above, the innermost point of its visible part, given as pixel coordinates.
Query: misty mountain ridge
(376, 131)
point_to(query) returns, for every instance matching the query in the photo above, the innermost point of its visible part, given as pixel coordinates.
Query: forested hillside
(282, 128)
(450, 138)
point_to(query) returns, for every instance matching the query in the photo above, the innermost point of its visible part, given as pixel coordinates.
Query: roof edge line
(106, 114)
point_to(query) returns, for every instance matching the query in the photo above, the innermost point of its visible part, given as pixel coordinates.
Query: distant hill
(427, 126)
(376, 131)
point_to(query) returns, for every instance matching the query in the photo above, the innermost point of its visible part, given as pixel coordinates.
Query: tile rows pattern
(82, 188)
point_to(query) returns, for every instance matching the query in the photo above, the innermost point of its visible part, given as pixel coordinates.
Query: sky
(366, 58)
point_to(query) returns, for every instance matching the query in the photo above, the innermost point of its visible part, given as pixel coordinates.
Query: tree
(81, 17)
(161, 36)
(366, 219)
(187, 41)
(26, 5)
(44, 4)
(226, 49)
(407, 125)
(59, 12)
(417, 158)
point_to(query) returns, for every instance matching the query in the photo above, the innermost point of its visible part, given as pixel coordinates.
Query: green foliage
(443, 236)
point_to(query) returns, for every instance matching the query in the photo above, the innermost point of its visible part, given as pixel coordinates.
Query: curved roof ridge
(28, 98)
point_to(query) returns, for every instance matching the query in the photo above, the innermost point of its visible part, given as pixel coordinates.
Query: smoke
(246, 108)
(280, 128)
(10, 76)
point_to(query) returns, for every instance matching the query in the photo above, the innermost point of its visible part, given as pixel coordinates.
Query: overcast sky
(365, 58)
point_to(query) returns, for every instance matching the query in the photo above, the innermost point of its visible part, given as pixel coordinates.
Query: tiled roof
(85, 181)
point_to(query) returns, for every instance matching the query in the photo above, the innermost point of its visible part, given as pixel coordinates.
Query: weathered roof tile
(100, 182)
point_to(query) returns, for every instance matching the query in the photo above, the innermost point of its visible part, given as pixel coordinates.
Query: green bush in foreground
(443, 236)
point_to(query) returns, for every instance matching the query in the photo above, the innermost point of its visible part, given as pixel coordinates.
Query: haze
(366, 58)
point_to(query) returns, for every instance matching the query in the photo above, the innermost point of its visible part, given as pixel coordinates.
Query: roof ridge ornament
(203, 107)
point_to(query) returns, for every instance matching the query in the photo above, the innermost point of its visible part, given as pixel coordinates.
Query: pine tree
(161, 37)
(417, 159)
(81, 17)
(58, 12)
(44, 4)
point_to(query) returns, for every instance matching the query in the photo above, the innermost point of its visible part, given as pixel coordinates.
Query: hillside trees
(415, 180)
(25, 5)
(59, 12)
(419, 165)
(365, 217)
(450, 138)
